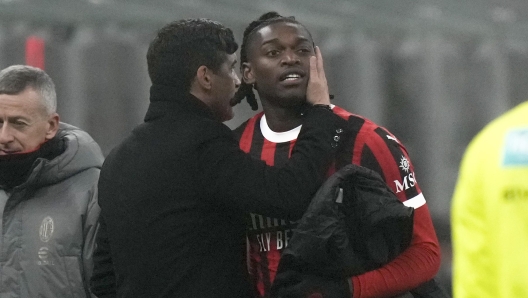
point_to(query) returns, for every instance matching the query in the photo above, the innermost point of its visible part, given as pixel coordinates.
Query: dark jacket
(363, 229)
(174, 194)
(366, 229)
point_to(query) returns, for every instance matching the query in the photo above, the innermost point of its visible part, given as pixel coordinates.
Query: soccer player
(275, 62)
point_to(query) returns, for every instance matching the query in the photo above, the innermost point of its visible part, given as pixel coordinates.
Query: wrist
(323, 106)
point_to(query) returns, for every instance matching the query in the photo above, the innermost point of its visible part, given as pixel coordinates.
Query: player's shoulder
(248, 123)
(358, 121)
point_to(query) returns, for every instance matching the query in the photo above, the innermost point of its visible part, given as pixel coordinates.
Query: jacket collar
(166, 100)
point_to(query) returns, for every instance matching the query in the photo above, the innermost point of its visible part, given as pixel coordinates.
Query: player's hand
(317, 90)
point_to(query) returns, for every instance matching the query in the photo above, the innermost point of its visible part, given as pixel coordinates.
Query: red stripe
(341, 112)
(292, 143)
(382, 154)
(35, 52)
(247, 135)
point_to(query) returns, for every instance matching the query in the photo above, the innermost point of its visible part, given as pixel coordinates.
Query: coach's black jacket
(173, 196)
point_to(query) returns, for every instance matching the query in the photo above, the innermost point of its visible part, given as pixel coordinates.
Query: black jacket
(173, 197)
(365, 228)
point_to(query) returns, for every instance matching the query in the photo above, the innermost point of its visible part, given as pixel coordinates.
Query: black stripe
(266, 280)
(368, 160)
(282, 152)
(349, 136)
(397, 154)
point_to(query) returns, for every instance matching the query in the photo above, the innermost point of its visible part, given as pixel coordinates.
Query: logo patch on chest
(515, 150)
(46, 229)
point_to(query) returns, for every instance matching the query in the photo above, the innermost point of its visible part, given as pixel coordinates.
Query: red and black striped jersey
(365, 144)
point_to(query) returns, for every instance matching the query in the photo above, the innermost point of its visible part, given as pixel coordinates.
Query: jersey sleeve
(379, 150)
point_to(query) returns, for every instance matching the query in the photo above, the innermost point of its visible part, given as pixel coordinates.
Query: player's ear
(247, 73)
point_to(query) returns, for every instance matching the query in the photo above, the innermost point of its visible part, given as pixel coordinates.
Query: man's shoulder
(357, 121)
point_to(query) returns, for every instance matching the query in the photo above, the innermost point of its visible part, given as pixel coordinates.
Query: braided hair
(246, 90)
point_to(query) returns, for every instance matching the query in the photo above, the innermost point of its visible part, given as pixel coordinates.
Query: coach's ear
(203, 77)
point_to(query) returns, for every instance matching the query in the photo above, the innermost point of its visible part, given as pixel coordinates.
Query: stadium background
(432, 72)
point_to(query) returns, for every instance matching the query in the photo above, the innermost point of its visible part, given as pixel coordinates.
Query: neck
(16, 168)
(282, 118)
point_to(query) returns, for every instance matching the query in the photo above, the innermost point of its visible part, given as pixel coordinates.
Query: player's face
(24, 123)
(279, 63)
(225, 83)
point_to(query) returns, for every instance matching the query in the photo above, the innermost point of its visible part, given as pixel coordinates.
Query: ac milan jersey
(365, 144)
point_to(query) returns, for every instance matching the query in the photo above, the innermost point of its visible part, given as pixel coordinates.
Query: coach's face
(24, 122)
(224, 84)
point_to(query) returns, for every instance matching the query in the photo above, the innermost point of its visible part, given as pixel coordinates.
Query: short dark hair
(16, 78)
(272, 17)
(181, 47)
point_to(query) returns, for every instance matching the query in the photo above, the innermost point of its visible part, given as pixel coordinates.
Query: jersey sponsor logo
(259, 222)
(274, 240)
(270, 233)
(404, 164)
(46, 229)
(408, 182)
(515, 150)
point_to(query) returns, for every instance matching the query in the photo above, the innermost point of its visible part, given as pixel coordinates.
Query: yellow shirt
(489, 214)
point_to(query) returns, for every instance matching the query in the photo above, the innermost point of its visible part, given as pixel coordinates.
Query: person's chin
(228, 115)
(295, 94)
(293, 98)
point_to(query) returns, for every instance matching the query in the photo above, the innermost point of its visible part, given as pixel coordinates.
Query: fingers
(317, 66)
(317, 89)
(320, 66)
(314, 73)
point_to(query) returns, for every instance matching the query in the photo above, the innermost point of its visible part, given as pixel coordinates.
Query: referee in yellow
(489, 215)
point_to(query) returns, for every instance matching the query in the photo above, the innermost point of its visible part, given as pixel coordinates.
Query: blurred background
(433, 72)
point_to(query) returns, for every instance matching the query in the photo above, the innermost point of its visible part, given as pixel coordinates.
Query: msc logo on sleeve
(408, 180)
(515, 150)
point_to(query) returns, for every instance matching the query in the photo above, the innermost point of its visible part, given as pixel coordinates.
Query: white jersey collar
(278, 137)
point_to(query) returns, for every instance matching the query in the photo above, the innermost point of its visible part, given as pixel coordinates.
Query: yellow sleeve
(473, 275)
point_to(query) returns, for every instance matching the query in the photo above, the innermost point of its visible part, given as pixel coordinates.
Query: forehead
(230, 59)
(282, 31)
(27, 102)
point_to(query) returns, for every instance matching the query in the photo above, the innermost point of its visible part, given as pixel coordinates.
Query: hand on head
(317, 90)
